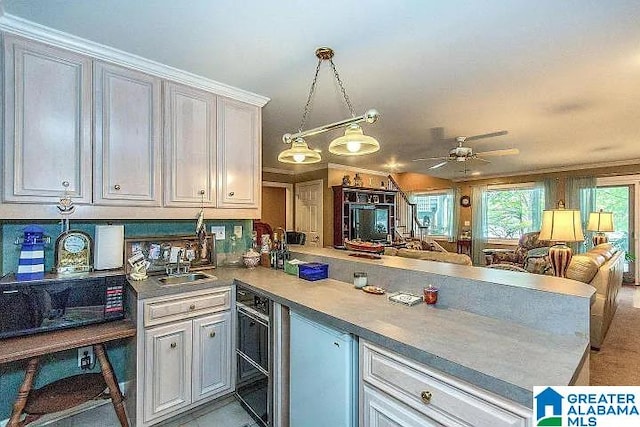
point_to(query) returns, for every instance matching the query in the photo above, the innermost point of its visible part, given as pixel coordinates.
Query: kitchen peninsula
(487, 333)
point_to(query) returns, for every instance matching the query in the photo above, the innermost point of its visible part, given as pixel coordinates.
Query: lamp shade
(299, 153)
(561, 225)
(600, 221)
(354, 143)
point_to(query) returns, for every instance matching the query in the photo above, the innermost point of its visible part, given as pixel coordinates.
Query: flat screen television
(369, 223)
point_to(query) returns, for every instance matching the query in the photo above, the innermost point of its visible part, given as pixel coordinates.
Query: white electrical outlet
(237, 230)
(219, 230)
(83, 352)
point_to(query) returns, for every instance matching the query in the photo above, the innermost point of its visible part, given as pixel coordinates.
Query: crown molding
(31, 30)
(553, 170)
(354, 169)
(278, 171)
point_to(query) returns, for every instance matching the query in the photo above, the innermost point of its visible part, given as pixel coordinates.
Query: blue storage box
(313, 271)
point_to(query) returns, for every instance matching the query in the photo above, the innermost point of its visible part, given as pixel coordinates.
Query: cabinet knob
(201, 192)
(231, 193)
(173, 345)
(192, 307)
(426, 396)
(65, 184)
(212, 334)
(116, 187)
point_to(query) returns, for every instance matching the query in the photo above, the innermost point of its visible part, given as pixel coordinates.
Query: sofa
(602, 268)
(450, 257)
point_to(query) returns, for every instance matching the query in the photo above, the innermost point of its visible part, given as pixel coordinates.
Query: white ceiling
(563, 77)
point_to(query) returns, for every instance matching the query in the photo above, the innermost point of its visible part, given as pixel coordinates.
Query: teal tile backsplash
(64, 364)
(9, 230)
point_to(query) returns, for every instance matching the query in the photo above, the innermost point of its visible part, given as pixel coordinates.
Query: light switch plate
(219, 230)
(237, 230)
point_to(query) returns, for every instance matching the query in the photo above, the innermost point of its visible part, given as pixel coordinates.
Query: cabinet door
(239, 155)
(189, 146)
(212, 355)
(127, 137)
(381, 410)
(47, 123)
(167, 377)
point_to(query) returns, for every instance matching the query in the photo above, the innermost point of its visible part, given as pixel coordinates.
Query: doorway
(277, 204)
(309, 211)
(620, 195)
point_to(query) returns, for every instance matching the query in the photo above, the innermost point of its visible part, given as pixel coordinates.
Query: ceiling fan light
(354, 143)
(299, 153)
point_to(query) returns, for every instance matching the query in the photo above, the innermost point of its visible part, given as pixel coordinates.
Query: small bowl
(251, 261)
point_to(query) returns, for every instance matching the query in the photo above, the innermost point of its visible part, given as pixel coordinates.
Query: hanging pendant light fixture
(299, 153)
(352, 143)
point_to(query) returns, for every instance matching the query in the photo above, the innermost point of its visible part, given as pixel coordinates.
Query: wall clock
(465, 201)
(74, 252)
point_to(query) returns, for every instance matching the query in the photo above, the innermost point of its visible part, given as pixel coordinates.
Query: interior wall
(274, 206)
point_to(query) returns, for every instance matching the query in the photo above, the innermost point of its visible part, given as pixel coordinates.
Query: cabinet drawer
(448, 400)
(169, 310)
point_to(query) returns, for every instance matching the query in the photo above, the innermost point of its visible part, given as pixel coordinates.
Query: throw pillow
(582, 268)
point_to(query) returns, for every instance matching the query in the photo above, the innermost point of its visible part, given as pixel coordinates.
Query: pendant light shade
(299, 153)
(354, 143)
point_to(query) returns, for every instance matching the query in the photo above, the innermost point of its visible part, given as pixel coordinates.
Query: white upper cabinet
(47, 123)
(189, 146)
(127, 137)
(239, 154)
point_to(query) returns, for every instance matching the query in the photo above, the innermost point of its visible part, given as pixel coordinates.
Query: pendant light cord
(312, 91)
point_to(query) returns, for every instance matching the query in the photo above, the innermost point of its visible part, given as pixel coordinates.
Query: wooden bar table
(32, 347)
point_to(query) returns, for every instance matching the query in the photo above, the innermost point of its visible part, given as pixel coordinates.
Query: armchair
(530, 254)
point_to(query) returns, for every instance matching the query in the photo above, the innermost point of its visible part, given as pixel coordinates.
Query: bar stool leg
(110, 379)
(23, 393)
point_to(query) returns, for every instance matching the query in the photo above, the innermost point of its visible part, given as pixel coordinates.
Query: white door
(309, 211)
(167, 369)
(47, 123)
(189, 146)
(239, 154)
(127, 137)
(212, 356)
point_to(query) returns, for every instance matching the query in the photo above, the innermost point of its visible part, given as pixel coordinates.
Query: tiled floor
(229, 415)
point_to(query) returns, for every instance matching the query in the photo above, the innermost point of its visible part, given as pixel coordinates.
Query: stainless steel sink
(189, 278)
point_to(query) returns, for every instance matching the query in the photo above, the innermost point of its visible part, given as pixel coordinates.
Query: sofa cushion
(582, 268)
(605, 249)
(390, 250)
(450, 257)
(596, 257)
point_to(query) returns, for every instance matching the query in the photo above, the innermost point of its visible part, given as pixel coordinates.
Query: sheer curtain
(455, 214)
(550, 186)
(479, 223)
(580, 193)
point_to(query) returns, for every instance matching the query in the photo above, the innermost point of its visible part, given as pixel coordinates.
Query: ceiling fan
(462, 153)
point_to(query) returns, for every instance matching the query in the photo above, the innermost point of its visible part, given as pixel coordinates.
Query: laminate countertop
(503, 357)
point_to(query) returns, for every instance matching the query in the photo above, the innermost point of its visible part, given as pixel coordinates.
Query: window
(513, 210)
(616, 199)
(435, 211)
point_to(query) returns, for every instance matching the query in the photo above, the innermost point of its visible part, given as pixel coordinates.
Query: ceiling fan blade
(481, 159)
(429, 158)
(506, 152)
(486, 135)
(439, 165)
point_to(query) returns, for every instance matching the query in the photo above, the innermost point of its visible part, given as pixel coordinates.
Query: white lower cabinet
(396, 391)
(188, 361)
(211, 362)
(168, 368)
(382, 410)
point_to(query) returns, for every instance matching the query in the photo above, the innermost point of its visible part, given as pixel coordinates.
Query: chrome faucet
(178, 268)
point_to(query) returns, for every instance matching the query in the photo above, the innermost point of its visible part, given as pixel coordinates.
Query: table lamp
(561, 226)
(600, 222)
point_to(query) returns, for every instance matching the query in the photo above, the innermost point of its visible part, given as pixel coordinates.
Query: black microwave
(51, 304)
